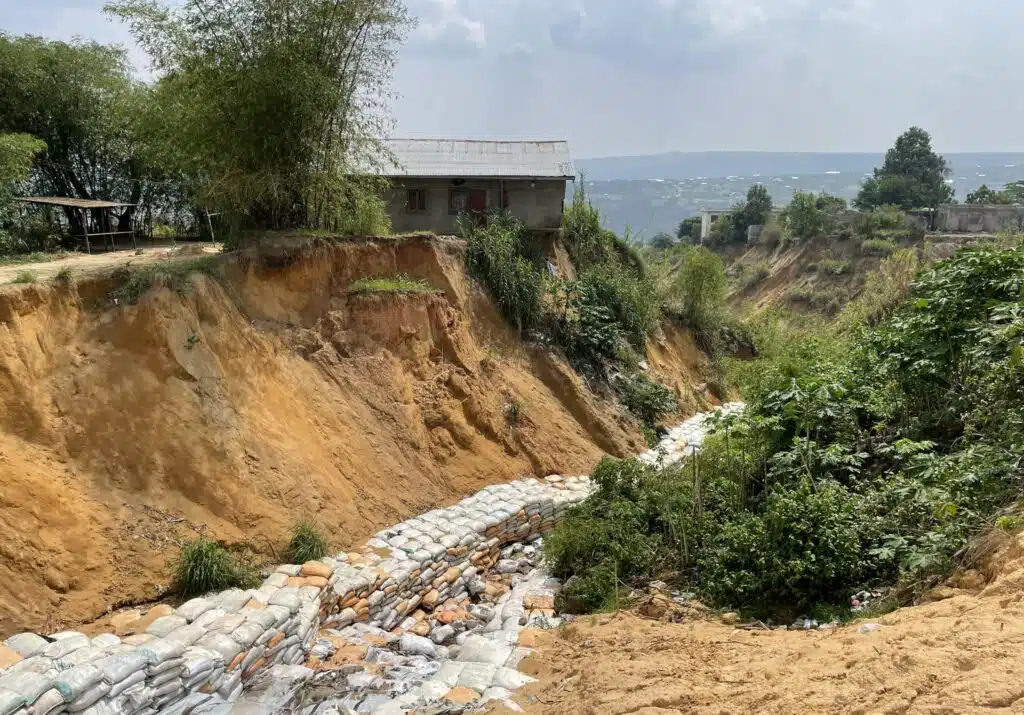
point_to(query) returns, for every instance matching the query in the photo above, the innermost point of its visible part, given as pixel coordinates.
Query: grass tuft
(395, 284)
(308, 543)
(135, 281)
(203, 565)
(26, 277)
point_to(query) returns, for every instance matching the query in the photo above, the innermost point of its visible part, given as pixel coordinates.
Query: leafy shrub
(308, 543)
(496, 257)
(751, 275)
(864, 457)
(203, 565)
(882, 222)
(699, 289)
(645, 398)
(802, 219)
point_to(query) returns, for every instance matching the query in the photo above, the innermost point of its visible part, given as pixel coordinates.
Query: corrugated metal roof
(471, 158)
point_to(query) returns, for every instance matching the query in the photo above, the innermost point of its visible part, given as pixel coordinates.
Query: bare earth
(237, 406)
(84, 263)
(962, 654)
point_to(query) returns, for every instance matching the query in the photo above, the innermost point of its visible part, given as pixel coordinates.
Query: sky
(624, 77)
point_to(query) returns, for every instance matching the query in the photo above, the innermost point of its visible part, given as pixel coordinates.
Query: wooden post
(209, 224)
(85, 230)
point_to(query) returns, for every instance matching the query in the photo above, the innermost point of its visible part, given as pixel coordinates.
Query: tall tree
(81, 100)
(913, 176)
(268, 105)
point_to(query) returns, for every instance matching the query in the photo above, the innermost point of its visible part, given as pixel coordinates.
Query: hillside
(258, 390)
(825, 274)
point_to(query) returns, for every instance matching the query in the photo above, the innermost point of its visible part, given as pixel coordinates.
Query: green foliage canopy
(913, 176)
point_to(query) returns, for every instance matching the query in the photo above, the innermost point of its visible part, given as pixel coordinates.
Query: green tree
(269, 106)
(802, 218)
(752, 212)
(688, 230)
(80, 99)
(913, 176)
(17, 154)
(663, 241)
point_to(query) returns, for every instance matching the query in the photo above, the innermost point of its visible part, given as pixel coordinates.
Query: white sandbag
(116, 668)
(198, 659)
(89, 697)
(48, 703)
(200, 679)
(105, 641)
(10, 702)
(160, 650)
(26, 644)
(220, 644)
(28, 684)
(228, 686)
(186, 635)
(160, 679)
(191, 610)
(247, 633)
(75, 682)
(165, 624)
(136, 698)
(69, 644)
(168, 666)
(136, 678)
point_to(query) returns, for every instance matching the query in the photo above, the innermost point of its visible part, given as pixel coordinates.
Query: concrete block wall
(218, 643)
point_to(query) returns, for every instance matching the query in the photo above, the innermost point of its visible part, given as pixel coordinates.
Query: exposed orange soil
(245, 403)
(962, 653)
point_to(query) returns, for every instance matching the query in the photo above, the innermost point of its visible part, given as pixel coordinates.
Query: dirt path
(963, 654)
(85, 263)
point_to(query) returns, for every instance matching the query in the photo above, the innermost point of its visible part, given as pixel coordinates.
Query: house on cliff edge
(436, 180)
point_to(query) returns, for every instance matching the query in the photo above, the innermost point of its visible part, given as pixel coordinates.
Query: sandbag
(75, 682)
(26, 644)
(157, 681)
(116, 668)
(168, 666)
(28, 684)
(136, 678)
(198, 659)
(89, 697)
(106, 641)
(10, 702)
(49, 702)
(158, 650)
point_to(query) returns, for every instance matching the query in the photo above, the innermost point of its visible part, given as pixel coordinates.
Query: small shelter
(87, 207)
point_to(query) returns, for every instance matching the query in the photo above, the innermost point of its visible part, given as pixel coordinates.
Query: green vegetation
(878, 246)
(752, 274)
(265, 113)
(133, 281)
(867, 456)
(308, 543)
(755, 211)
(497, 256)
(396, 284)
(688, 230)
(912, 177)
(203, 565)
(1012, 193)
(697, 293)
(832, 267)
(25, 277)
(809, 215)
(650, 401)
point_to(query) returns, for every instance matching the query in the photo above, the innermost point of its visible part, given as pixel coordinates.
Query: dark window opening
(416, 201)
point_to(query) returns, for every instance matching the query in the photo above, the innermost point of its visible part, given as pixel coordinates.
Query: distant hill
(715, 164)
(654, 193)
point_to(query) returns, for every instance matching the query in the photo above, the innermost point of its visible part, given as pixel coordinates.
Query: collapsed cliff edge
(261, 390)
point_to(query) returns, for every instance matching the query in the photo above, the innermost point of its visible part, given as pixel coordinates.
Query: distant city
(651, 194)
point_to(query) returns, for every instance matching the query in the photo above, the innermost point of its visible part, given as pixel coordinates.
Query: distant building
(436, 180)
(708, 218)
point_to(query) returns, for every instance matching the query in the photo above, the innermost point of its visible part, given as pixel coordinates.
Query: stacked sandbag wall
(218, 643)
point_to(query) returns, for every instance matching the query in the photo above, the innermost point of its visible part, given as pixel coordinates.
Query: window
(416, 201)
(458, 201)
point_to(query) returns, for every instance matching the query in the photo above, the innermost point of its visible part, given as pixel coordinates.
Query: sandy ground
(961, 654)
(83, 263)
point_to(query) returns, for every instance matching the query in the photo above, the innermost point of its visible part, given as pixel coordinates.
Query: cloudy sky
(622, 77)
